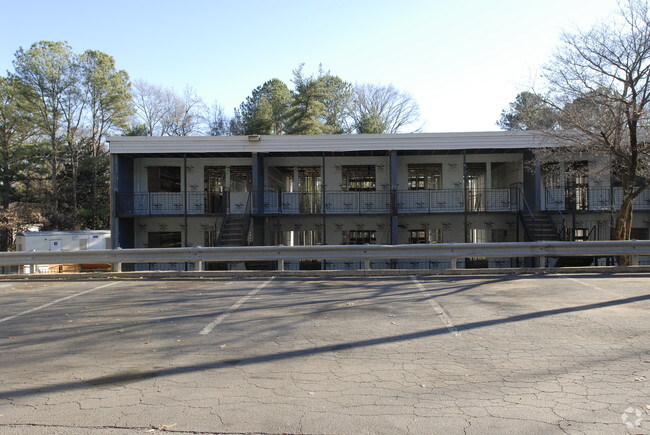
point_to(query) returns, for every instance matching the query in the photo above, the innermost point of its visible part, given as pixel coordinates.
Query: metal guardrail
(365, 253)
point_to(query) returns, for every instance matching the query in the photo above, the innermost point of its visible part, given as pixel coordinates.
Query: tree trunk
(94, 192)
(623, 228)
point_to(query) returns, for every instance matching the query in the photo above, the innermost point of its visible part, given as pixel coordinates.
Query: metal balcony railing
(328, 202)
(591, 199)
(168, 203)
(384, 202)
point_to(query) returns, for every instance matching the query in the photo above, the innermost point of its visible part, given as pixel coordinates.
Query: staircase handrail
(561, 233)
(592, 230)
(247, 216)
(226, 212)
(530, 211)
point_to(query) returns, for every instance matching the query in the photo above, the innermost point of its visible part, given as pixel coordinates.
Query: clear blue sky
(462, 60)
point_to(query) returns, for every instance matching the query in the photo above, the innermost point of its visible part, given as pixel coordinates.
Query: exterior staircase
(234, 230)
(540, 227)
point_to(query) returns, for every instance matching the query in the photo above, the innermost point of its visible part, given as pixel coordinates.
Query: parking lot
(521, 354)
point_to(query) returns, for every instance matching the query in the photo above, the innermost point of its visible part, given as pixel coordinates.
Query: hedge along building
(356, 189)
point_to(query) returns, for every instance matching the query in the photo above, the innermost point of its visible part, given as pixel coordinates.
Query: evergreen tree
(528, 112)
(320, 104)
(265, 110)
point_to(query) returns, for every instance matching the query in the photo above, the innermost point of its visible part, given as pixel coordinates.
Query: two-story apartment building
(356, 189)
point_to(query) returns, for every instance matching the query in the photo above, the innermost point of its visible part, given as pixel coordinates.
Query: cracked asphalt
(519, 354)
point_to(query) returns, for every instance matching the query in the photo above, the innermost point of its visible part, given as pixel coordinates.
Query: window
(551, 175)
(425, 236)
(302, 238)
(164, 178)
(577, 234)
(577, 186)
(418, 236)
(479, 235)
(425, 177)
(475, 176)
(308, 179)
(165, 239)
(241, 178)
(360, 237)
(358, 178)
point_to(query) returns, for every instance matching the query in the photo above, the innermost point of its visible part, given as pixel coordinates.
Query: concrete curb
(242, 274)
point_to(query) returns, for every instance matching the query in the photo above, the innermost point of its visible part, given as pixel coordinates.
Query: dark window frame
(359, 178)
(164, 179)
(360, 237)
(426, 176)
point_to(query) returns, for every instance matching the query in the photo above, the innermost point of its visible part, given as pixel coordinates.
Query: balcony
(591, 199)
(174, 203)
(385, 202)
(312, 203)
(457, 200)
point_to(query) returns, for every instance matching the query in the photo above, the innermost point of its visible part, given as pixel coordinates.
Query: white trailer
(62, 241)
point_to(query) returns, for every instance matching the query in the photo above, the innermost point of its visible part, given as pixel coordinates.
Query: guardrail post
(454, 263)
(280, 264)
(366, 264)
(117, 267)
(198, 264)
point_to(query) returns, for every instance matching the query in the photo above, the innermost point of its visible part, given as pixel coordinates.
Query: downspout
(115, 222)
(185, 199)
(394, 219)
(184, 190)
(323, 187)
(465, 195)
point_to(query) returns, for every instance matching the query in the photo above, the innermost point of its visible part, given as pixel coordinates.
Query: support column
(114, 190)
(394, 185)
(185, 199)
(257, 198)
(465, 191)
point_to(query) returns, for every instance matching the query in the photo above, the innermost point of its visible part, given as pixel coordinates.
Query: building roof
(493, 140)
(63, 233)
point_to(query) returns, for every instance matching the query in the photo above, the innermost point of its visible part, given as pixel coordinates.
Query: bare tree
(163, 112)
(152, 105)
(382, 109)
(185, 114)
(217, 122)
(599, 83)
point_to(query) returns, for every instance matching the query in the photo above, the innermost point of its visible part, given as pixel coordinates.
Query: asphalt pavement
(520, 354)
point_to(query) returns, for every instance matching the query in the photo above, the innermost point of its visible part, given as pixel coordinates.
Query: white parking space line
(440, 312)
(49, 304)
(236, 305)
(587, 284)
